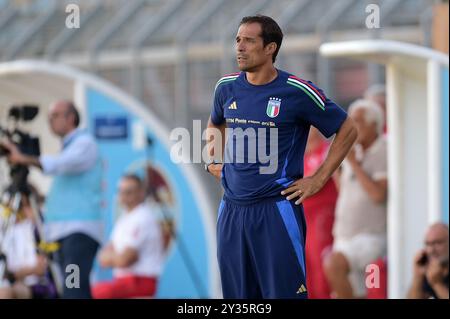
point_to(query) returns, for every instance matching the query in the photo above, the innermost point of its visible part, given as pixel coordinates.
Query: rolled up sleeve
(78, 157)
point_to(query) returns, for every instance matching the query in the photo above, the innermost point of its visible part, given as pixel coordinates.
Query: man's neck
(263, 76)
(132, 207)
(68, 133)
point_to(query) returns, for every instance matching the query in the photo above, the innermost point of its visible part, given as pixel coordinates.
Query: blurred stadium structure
(168, 54)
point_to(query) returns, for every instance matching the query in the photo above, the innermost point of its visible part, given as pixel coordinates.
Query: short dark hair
(271, 31)
(71, 109)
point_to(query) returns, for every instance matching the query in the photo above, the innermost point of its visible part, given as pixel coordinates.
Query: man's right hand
(420, 267)
(215, 170)
(15, 156)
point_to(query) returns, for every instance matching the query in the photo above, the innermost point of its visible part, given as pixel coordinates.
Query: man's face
(436, 243)
(60, 120)
(380, 99)
(250, 50)
(365, 130)
(130, 194)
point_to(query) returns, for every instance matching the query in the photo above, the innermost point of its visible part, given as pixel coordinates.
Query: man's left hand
(302, 188)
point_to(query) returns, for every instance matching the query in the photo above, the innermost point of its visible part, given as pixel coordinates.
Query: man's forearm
(23, 272)
(125, 259)
(30, 161)
(376, 191)
(440, 290)
(212, 151)
(416, 291)
(341, 145)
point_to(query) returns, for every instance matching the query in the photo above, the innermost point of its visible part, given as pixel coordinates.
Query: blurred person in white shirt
(27, 273)
(135, 250)
(360, 219)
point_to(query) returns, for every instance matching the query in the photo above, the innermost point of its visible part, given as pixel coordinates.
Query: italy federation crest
(273, 107)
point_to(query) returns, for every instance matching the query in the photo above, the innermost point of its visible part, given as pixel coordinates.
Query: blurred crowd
(347, 219)
(54, 259)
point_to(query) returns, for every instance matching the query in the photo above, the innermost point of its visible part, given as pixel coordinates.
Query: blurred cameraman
(72, 209)
(431, 265)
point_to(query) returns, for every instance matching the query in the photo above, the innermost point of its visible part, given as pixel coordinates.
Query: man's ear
(71, 116)
(270, 48)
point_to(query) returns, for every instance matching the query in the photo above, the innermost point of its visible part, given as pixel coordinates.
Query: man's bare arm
(342, 143)
(376, 189)
(416, 289)
(213, 153)
(109, 257)
(125, 259)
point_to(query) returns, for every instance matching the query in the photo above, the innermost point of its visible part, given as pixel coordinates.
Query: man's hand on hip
(302, 189)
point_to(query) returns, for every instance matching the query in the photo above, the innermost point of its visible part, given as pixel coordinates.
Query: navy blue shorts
(261, 249)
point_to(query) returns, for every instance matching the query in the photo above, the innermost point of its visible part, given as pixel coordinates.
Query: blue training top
(268, 128)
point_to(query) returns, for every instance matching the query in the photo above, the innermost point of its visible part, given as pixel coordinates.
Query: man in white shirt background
(359, 228)
(135, 251)
(72, 213)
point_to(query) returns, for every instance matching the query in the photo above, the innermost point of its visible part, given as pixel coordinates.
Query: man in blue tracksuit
(72, 209)
(267, 114)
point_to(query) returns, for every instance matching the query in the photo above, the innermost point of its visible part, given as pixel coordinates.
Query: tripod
(11, 202)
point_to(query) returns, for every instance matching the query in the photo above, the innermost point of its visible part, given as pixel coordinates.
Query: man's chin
(245, 68)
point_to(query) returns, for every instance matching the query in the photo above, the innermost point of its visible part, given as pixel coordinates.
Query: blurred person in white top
(26, 269)
(135, 251)
(360, 219)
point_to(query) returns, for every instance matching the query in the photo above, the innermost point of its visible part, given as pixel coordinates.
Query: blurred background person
(431, 265)
(27, 274)
(136, 249)
(319, 214)
(72, 212)
(360, 221)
